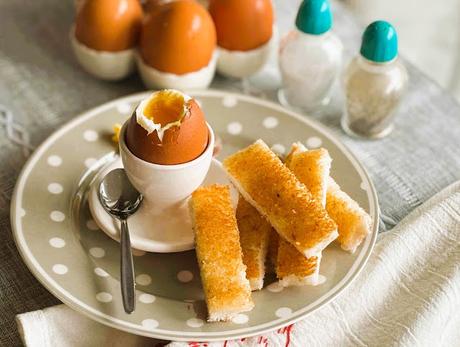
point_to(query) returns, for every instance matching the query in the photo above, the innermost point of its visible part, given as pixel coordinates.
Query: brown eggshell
(242, 25)
(109, 25)
(180, 144)
(177, 37)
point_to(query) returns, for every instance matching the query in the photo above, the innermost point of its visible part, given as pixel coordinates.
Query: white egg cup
(162, 224)
(156, 79)
(110, 66)
(242, 64)
(165, 186)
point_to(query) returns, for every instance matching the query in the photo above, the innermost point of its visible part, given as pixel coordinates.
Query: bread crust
(223, 274)
(354, 224)
(254, 237)
(266, 183)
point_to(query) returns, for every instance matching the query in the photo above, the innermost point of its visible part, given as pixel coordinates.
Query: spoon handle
(127, 269)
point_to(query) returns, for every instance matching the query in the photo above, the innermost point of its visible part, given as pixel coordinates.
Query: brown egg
(177, 37)
(109, 25)
(184, 140)
(242, 25)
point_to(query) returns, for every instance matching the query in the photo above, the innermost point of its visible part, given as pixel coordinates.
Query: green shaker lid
(314, 17)
(380, 42)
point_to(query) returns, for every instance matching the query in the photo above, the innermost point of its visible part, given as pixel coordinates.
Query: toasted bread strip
(293, 269)
(353, 222)
(312, 169)
(276, 193)
(226, 289)
(254, 235)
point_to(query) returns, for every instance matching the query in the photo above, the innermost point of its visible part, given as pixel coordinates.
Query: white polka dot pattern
(150, 324)
(270, 122)
(283, 312)
(147, 298)
(314, 142)
(90, 135)
(124, 108)
(234, 128)
(54, 160)
(240, 319)
(229, 101)
(60, 269)
(195, 322)
(143, 279)
(57, 242)
(97, 252)
(55, 188)
(100, 272)
(104, 297)
(57, 216)
(185, 276)
(275, 287)
(279, 149)
(90, 162)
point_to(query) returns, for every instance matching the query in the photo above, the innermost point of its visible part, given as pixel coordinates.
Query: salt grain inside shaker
(374, 83)
(310, 58)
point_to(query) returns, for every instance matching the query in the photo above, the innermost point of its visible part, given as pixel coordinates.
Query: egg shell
(241, 64)
(156, 79)
(242, 25)
(110, 66)
(177, 37)
(109, 25)
(180, 144)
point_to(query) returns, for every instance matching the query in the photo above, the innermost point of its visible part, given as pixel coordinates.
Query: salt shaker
(310, 58)
(374, 83)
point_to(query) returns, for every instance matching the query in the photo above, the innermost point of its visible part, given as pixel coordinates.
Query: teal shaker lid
(380, 42)
(314, 17)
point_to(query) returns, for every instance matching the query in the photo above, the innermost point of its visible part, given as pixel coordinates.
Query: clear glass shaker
(374, 83)
(310, 58)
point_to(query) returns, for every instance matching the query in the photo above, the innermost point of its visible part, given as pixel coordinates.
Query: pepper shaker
(374, 83)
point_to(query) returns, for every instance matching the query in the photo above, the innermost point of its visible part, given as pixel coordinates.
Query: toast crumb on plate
(223, 274)
(312, 168)
(354, 224)
(266, 183)
(254, 235)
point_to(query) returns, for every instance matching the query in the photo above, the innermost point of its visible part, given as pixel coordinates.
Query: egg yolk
(166, 107)
(242, 25)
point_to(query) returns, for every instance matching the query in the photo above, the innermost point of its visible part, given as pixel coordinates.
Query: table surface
(42, 87)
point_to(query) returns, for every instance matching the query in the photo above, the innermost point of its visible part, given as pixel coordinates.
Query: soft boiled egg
(105, 35)
(177, 46)
(244, 35)
(167, 128)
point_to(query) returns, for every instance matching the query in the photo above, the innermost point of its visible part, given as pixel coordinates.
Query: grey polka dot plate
(78, 263)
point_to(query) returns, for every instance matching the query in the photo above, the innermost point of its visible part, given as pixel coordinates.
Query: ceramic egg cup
(156, 79)
(109, 66)
(242, 64)
(162, 223)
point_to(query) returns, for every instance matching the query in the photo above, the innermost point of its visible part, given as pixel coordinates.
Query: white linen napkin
(408, 294)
